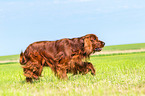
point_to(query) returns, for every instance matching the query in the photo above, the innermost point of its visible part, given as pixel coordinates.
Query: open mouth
(98, 49)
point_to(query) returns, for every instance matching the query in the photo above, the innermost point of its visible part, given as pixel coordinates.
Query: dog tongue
(98, 49)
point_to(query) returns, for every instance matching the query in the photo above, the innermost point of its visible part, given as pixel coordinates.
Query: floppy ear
(87, 45)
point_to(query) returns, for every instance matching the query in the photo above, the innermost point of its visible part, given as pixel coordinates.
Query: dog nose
(103, 43)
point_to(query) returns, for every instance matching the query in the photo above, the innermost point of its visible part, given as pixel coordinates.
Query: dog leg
(29, 79)
(32, 70)
(91, 68)
(61, 73)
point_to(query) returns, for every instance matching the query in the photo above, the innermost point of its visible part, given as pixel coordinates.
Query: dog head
(92, 44)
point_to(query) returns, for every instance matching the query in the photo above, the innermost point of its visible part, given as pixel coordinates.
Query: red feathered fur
(62, 56)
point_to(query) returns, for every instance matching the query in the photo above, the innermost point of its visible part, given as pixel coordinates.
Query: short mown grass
(117, 75)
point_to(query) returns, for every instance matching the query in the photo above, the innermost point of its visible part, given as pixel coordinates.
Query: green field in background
(124, 47)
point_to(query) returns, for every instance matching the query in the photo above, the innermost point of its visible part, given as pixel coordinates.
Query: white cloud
(125, 6)
(80, 0)
(69, 1)
(83, 0)
(44, 2)
(1, 10)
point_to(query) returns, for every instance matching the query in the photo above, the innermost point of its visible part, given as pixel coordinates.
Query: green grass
(124, 47)
(117, 75)
(10, 57)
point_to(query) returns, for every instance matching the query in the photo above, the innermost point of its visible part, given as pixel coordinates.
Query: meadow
(124, 47)
(117, 75)
(9, 57)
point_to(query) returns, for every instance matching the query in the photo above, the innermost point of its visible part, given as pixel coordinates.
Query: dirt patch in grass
(119, 51)
(6, 61)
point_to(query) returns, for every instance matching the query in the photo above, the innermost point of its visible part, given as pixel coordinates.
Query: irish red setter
(62, 56)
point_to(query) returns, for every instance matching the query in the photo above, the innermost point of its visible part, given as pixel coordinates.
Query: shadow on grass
(8, 63)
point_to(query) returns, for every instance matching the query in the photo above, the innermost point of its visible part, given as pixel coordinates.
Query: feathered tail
(22, 59)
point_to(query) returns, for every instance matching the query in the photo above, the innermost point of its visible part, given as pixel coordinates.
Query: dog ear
(87, 45)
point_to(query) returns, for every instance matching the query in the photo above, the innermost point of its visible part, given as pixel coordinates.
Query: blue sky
(25, 21)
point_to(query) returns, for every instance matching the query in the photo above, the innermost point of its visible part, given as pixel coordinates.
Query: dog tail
(23, 59)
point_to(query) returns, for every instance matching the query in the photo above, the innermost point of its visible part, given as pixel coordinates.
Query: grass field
(124, 47)
(117, 75)
(10, 57)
